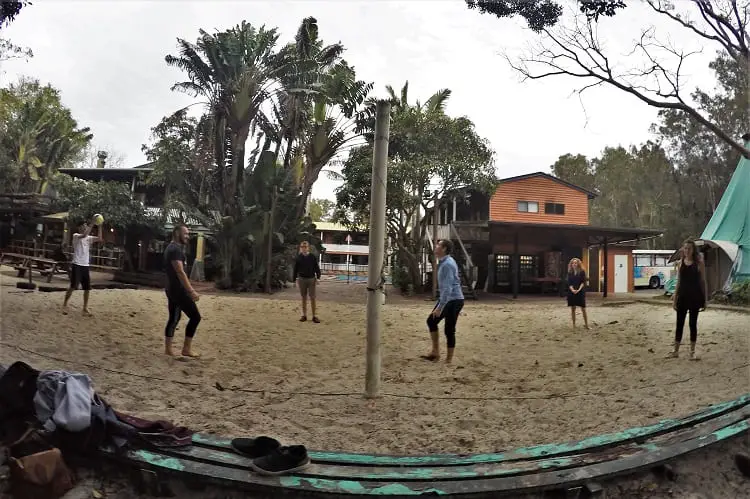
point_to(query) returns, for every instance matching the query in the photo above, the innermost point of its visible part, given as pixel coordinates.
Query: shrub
(739, 295)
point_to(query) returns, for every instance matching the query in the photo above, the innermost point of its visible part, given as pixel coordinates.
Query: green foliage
(739, 295)
(431, 155)
(673, 185)
(321, 210)
(297, 104)
(9, 9)
(112, 199)
(181, 155)
(38, 135)
(541, 14)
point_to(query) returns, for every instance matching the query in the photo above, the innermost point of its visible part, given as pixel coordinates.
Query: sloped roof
(175, 216)
(560, 181)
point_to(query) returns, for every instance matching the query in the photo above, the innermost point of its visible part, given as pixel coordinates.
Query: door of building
(621, 273)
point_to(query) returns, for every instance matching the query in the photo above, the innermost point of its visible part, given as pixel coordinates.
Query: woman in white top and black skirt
(577, 290)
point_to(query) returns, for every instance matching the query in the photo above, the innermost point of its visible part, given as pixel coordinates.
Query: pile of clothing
(46, 415)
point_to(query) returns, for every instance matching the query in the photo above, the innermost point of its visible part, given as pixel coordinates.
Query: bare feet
(191, 354)
(169, 351)
(433, 357)
(65, 310)
(87, 313)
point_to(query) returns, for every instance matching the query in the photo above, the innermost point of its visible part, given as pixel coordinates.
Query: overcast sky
(107, 58)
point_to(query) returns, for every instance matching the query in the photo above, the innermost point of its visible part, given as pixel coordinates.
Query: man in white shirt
(79, 269)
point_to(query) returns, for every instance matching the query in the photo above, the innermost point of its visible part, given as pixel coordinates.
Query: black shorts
(79, 274)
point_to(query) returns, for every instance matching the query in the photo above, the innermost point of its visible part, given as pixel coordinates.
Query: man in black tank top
(690, 296)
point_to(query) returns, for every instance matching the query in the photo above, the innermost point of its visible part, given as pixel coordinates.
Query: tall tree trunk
(288, 151)
(276, 152)
(435, 215)
(416, 221)
(411, 262)
(269, 248)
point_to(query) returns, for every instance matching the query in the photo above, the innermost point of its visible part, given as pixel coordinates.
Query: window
(529, 267)
(554, 209)
(643, 261)
(502, 270)
(661, 261)
(528, 207)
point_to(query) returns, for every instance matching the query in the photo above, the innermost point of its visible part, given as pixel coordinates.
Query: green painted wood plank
(375, 473)
(480, 487)
(534, 452)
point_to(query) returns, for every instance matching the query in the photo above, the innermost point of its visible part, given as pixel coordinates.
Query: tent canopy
(727, 234)
(731, 221)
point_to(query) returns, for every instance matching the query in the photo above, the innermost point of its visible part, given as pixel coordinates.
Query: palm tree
(39, 135)
(436, 102)
(233, 70)
(318, 98)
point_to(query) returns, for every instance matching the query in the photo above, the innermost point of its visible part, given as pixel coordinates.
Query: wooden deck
(544, 467)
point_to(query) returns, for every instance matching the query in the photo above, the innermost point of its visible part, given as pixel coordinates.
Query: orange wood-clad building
(522, 237)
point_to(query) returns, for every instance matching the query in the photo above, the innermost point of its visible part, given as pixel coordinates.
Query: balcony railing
(354, 249)
(342, 267)
(103, 258)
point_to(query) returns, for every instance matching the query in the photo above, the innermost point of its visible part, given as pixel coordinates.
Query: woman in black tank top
(689, 296)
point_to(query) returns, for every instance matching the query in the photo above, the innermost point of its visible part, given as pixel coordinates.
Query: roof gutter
(636, 240)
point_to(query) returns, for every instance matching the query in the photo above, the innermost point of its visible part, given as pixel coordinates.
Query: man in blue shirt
(449, 305)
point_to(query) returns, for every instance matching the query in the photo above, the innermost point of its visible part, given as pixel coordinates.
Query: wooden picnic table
(45, 266)
(12, 256)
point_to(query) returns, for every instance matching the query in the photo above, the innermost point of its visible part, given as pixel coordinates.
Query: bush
(739, 295)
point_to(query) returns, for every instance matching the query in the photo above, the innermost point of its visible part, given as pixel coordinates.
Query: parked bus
(651, 268)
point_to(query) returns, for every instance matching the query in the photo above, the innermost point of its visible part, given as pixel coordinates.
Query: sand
(522, 375)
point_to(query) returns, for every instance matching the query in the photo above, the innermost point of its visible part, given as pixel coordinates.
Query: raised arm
(98, 237)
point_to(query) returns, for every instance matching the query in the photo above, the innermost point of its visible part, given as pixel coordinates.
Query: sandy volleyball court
(522, 376)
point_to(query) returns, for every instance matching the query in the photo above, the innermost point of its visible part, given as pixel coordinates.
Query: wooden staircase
(467, 271)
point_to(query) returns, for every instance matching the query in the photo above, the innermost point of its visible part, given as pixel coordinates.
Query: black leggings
(450, 314)
(693, 324)
(177, 305)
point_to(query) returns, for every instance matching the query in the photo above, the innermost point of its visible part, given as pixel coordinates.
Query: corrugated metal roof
(175, 216)
(56, 216)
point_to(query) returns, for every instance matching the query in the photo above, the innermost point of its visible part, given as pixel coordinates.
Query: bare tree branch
(575, 50)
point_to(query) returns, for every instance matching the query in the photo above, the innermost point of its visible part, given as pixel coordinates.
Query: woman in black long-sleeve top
(577, 290)
(689, 296)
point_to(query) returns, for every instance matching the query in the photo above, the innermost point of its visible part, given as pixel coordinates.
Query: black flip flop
(431, 358)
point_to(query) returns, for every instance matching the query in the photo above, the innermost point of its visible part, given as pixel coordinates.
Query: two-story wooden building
(522, 238)
(345, 252)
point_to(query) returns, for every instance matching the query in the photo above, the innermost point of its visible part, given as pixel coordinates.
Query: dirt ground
(521, 376)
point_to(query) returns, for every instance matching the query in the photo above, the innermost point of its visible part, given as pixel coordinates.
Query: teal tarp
(731, 220)
(670, 286)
